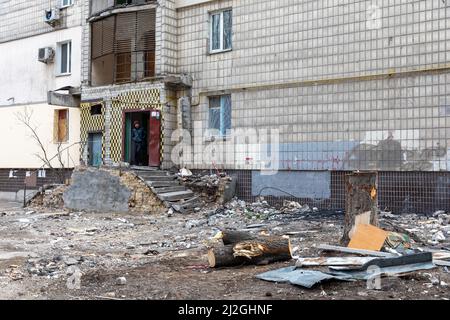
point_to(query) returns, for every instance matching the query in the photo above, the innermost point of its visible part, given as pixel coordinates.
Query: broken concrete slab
(96, 190)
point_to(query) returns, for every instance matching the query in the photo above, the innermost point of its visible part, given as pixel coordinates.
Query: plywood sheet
(368, 237)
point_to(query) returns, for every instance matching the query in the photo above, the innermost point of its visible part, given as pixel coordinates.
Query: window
(220, 114)
(42, 173)
(221, 31)
(64, 58)
(96, 110)
(66, 3)
(61, 127)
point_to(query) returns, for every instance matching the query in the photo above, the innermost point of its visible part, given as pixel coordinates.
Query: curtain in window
(227, 29)
(225, 115)
(214, 113)
(215, 32)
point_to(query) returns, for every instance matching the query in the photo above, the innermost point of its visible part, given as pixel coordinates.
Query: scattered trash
(185, 173)
(121, 281)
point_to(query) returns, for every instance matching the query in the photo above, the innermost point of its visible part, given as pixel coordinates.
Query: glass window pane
(64, 57)
(69, 57)
(215, 32)
(225, 114)
(214, 118)
(214, 113)
(227, 29)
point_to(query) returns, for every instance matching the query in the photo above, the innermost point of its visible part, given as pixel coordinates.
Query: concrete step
(162, 184)
(176, 196)
(144, 169)
(160, 178)
(169, 189)
(146, 174)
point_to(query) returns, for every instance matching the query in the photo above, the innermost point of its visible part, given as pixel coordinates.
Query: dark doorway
(136, 151)
(136, 138)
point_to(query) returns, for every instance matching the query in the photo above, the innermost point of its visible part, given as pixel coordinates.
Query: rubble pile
(261, 209)
(49, 196)
(142, 198)
(430, 230)
(210, 187)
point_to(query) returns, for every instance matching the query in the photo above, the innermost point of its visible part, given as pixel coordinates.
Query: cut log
(259, 251)
(234, 237)
(223, 256)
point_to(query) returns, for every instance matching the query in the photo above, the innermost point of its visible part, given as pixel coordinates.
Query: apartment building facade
(40, 77)
(289, 96)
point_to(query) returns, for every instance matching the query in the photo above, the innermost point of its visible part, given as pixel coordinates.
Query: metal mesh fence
(354, 85)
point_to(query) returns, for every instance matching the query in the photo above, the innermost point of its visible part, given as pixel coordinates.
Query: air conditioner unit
(52, 15)
(46, 55)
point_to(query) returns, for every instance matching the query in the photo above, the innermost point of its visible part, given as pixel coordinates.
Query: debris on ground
(106, 246)
(368, 237)
(380, 267)
(49, 196)
(212, 188)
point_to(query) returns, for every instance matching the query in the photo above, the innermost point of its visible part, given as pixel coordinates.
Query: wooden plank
(368, 237)
(333, 261)
(326, 247)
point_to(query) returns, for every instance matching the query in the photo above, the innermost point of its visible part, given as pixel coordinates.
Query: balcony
(123, 48)
(98, 6)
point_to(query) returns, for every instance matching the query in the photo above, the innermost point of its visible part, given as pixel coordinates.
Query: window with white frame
(64, 58)
(221, 29)
(66, 3)
(220, 114)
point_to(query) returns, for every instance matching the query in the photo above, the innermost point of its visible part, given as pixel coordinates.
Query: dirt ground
(75, 255)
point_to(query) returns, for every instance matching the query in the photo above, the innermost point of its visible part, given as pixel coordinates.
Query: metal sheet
(300, 277)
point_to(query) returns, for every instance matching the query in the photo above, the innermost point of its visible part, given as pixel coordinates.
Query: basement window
(221, 27)
(220, 114)
(61, 126)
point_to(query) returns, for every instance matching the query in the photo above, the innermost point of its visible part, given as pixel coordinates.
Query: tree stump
(361, 203)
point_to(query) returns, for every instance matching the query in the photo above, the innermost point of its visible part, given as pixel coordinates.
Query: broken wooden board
(368, 237)
(333, 261)
(326, 247)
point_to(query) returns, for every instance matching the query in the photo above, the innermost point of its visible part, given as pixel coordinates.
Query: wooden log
(361, 203)
(234, 237)
(259, 251)
(223, 256)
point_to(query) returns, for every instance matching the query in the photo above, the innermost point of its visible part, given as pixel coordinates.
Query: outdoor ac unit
(46, 55)
(52, 15)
